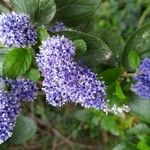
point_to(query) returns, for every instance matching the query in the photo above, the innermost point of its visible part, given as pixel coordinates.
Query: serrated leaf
(24, 130)
(3, 52)
(97, 51)
(139, 41)
(40, 11)
(32, 74)
(74, 12)
(140, 108)
(16, 62)
(133, 59)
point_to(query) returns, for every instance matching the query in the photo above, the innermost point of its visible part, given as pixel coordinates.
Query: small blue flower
(11, 94)
(9, 111)
(16, 30)
(142, 80)
(58, 26)
(24, 89)
(64, 79)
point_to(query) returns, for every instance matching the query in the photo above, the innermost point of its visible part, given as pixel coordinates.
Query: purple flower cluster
(9, 111)
(64, 79)
(58, 26)
(24, 89)
(142, 80)
(11, 92)
(16, 30)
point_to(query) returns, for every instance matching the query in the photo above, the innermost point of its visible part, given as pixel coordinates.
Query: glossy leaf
(74, 12)
(33, 74)
(40, 11)
(42, 33)
(133, 59)
(139, 41)
(115, 42)
(16, 62)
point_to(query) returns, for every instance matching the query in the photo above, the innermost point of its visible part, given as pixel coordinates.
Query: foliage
(111, 38)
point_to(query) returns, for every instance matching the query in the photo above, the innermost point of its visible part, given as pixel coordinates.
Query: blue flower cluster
(9, 110)
(58, 26)
(16, 30)
(142, 80)
(64, 79)
(11, 92)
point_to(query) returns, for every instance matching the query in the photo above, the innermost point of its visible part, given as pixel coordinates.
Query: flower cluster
(58, 26)
(64, 79)
(9, 110)
(142, 80)
(11, 92)
(24, 89)
(16, 30)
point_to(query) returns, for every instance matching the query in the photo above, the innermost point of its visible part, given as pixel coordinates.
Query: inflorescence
(58, 26)
(11, 94)
(64, 79)
(142, 80)
(16, 30)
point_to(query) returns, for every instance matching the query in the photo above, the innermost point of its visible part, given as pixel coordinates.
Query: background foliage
(100, 28)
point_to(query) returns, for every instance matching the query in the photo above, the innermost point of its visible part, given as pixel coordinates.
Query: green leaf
(16, 62)
(139, 129)
(40, 11)
(111, 75)
(119, 92)
(133, 59)
(81, 47)
(144, 143)
(108, 123)
(140, 108)
(3, 52)
(115, 42)
(87, 116)
(74, 12)
(3, 9)
(32, 74)
(139, 41)
(23, 131)
(97, 51)
(42, 33)
(124, 146)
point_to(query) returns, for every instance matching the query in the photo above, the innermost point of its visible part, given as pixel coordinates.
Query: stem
(145, 13)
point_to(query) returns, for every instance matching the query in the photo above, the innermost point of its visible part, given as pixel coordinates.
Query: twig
(67, 139)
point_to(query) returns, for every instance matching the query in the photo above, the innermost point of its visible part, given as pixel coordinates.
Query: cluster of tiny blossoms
(11, 93)
(142, 80)
(64, 79)
(16, 30)
(58, 26)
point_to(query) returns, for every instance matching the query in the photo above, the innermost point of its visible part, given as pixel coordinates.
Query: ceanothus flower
(11, 94)
(142, 80)
(64, 79)
(9, 111)
(24, 89)
(58, 26)
(16, 30)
